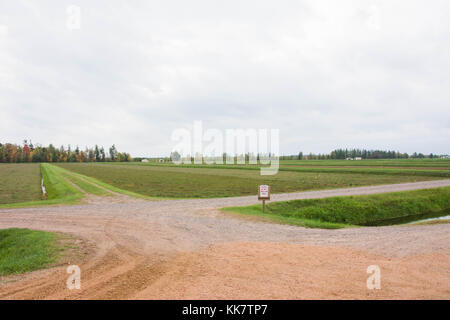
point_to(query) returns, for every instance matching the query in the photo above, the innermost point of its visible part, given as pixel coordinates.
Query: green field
(414, 163)
(441, 171)
(19, 183)
(23, 250)
(59, 189)
(22, 186)
(67, 183)
(425, 163)
(225, 181)
(62, 186)
(367, 210)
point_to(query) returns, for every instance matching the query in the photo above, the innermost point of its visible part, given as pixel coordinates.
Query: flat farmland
(208, 182)
(443, 164)
(19, 183)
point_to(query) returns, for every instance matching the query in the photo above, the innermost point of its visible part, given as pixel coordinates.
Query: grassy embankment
(23, 250)
(190, 181)
(367, 210)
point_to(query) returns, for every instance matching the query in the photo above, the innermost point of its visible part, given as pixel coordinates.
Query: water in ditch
(445, 214)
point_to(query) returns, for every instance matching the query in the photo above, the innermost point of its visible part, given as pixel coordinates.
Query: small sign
(264, 192)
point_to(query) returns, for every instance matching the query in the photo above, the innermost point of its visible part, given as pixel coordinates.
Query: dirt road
(189, 249)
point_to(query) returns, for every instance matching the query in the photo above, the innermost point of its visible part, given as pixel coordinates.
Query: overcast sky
(328, 74)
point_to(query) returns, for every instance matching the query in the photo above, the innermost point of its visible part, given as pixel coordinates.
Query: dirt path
(189, 249)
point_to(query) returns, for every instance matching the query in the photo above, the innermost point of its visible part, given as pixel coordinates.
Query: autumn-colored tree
(12, 153)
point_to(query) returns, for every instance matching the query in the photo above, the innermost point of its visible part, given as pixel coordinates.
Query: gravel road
(188, 248)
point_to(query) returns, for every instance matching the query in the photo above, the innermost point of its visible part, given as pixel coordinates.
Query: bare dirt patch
(188, 249)
(288, 271)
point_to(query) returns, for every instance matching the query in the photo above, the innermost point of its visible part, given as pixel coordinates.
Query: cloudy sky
(328, 74)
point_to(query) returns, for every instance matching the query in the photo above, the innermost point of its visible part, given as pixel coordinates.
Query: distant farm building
(358, 158)
(144, 160)
(161, 160)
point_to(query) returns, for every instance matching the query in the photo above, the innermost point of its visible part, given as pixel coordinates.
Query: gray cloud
(328, 74)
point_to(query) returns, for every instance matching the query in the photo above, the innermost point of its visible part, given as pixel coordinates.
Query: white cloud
(328, 74)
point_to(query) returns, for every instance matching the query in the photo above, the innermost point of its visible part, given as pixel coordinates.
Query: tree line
(13, 153)
(358, 153)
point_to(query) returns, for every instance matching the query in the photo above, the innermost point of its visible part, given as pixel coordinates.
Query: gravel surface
(136, 244)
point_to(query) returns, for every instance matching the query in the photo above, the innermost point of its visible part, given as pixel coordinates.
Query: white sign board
(264, 192)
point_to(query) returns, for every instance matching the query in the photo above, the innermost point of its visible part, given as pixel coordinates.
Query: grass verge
(24, 250)
(367, 210)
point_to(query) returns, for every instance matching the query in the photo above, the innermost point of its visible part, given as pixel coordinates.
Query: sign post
(264, 194)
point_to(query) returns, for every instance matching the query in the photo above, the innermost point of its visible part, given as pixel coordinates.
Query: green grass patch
(367, 210)
(24, 250)
(57, 187)
(170, 181)
(255, 211)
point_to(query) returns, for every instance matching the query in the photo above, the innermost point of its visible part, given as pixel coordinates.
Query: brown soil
(186, 249)
(288, 271)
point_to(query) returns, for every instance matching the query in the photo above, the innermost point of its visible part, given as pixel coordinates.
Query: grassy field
(67, 183)
(23, 250)
(441, 172)
(414, 163)
(370, 210)
(78, 185)
(94, 186)
(19, 183)
(443, 164)
(56, 181)
(207, 182)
